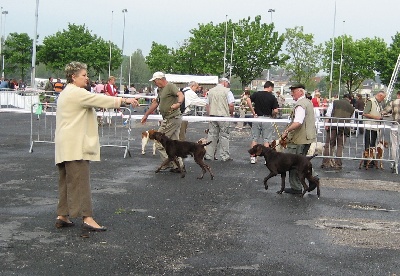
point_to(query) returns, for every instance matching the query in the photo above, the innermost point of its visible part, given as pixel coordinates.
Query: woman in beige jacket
(77, 143)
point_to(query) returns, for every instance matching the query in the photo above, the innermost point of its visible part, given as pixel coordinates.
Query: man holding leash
(300, 133)
(169, 100)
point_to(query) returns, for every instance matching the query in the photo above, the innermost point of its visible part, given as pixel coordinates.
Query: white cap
(157, 75)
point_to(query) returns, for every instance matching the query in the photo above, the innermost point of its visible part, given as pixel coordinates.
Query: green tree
(77, 43)
(17, 53)
(256, 47)
(140, 72)
(359, 60)
(160, 58)
(305, 56)
(387, 61)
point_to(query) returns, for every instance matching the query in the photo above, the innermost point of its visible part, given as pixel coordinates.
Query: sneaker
(292, 191)
(252, 160)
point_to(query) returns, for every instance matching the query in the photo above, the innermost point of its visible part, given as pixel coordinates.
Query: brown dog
(175, 149)
(374, 153)
(280, 163)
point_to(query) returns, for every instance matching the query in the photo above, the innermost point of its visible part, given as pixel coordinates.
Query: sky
(169, 22)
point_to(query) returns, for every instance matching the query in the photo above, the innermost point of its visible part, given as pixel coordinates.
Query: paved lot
(162, 224)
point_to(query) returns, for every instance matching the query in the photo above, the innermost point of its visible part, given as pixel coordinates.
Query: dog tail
(312, 156)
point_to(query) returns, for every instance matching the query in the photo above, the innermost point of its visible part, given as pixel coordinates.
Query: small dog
(176, 148)
(145, 140)
(374, 153)
(280, 163)
(316, 148)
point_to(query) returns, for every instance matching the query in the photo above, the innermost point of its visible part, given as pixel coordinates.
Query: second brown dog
(175, 149)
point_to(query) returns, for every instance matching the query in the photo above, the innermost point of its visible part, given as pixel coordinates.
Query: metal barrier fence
(114, 126)
(354, 146)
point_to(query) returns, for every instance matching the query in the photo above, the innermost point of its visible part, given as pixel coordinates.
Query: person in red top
(110, 89)
(316, 101)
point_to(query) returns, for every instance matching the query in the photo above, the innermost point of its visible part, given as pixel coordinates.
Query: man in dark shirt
(265, 105)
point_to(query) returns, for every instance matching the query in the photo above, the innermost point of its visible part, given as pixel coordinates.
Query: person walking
(300, 133)
(265, 105)
(169, 100)
(76, 144)
(336, 136)
(220, 103)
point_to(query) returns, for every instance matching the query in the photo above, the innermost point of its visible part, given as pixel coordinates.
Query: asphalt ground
(161, 224)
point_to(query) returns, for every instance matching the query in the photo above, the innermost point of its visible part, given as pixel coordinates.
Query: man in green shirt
(168, 101)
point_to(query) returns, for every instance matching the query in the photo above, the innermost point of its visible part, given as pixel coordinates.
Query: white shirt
(191, 98)
(300, 113)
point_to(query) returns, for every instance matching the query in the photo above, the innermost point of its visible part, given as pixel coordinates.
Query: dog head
(202, 141)
(382, 144)
(148, 132)
(155, 135)
(257, 150)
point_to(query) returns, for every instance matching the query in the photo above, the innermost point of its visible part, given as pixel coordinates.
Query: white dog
(145, 140)
(316, 148)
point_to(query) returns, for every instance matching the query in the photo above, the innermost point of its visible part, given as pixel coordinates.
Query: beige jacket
(77, 136)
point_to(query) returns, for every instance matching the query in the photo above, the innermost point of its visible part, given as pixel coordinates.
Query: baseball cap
(297, 85)
(157, 75)
(224, 79)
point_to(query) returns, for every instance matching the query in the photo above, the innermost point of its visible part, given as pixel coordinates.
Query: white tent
(185, 79)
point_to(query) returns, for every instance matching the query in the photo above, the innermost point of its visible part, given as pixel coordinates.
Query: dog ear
(259, 149)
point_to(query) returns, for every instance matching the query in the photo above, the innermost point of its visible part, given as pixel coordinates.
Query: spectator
(281, 102)
(49, 85)
(169, 100)
(394, 108)
(359, 106)
(243, 106)
(188, 105)
(265, 105)
(110, 89)
(336, 136)
(99, 88)
(220, 103)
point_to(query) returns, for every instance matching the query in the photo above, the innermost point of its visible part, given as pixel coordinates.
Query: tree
(387, 61)
(359, 60)
(18, 54)
(160, 58)
(78, 44)
(140, 72)
(305, 56)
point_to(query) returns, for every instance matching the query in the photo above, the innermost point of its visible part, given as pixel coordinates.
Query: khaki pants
(75, 198)
(171, 128)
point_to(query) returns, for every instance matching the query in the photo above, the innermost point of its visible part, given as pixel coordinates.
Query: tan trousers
(171, 128)
(74, 193)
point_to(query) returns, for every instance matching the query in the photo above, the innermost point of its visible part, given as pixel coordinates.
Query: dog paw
(266, 187)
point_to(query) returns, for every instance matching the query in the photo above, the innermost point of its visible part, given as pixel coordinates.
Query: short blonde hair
(73, 68)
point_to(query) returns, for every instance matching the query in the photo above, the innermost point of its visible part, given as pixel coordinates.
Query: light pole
(226, 30)
(109, 62)
(2, 40)
(33, 73)
(271, 11)
(332, 50)
(341, 63)
(124, 11)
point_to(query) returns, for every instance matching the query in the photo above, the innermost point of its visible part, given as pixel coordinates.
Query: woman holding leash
(77, 143)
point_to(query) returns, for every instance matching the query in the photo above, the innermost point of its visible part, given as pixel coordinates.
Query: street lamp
(226, 30)
(109, 62)
(2, 40)
(341, 63)
(34, 41)
(271, 11)
(124, 11)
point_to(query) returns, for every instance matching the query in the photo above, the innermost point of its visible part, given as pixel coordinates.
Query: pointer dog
(175, 149)
(145, 140)
(280, 163)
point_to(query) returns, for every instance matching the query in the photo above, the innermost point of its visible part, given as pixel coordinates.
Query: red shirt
(315, 102)
(111, 90)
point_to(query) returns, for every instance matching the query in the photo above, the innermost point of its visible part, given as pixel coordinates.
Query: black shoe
(292, 191)
(62, 224)
(88, 227)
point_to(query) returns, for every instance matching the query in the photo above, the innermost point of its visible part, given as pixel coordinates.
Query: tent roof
(174, 78)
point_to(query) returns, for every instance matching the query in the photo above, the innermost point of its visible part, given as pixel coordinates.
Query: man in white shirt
(191, 100)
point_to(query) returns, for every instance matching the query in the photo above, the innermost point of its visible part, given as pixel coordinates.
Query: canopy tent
(183, 80)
